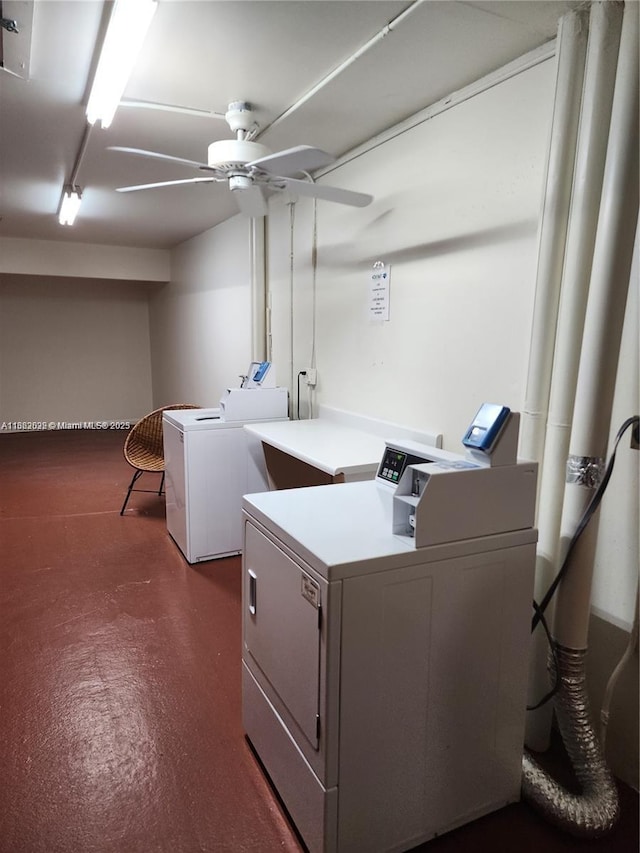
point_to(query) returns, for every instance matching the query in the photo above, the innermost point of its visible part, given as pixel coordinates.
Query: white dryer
(385, 647)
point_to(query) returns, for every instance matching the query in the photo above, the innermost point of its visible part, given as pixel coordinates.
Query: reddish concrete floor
(120, 692)
(120, 689)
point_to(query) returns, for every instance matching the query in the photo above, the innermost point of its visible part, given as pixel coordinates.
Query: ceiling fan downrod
(239, 117)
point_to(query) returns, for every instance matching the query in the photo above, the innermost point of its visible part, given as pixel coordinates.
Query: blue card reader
(261, 371)
(486, 426)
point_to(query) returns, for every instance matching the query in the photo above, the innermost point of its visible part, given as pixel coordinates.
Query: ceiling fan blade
(172, 108)
(322, 191)
(251, 201)
(302, 158)
(166, 157)
(166, 184)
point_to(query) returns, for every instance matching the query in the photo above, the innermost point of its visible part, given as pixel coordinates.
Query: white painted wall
(201, 321)
(456, 209)
(83, 260)
(73, 350)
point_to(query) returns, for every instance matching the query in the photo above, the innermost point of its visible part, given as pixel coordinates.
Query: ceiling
(205, 54)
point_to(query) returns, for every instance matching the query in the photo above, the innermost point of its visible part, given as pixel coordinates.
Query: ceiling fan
(251, 170)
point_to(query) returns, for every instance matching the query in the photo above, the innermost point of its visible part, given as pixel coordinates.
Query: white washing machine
(385, 647)
(210, 463)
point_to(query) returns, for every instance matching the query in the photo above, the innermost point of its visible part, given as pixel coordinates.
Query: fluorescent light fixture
(127, 28)
(70, 206)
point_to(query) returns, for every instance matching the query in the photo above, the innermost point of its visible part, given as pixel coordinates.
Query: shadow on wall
(342, 254)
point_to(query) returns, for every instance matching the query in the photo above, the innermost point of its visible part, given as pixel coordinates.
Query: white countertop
(328, 446)
(338, 442)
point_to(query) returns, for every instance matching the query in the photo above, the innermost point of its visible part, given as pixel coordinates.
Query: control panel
(397, 456)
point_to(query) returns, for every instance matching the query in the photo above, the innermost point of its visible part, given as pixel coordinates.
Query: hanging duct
(571, 49)
(599, 78)
(595, 810)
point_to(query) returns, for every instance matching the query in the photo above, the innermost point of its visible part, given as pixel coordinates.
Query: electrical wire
(594, 503)
(314, 290)
(554, 651)
(586, 517)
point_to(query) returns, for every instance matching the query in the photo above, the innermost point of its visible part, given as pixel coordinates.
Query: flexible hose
(595, 810)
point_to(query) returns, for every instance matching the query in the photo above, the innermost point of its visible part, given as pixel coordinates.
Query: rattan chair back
(144, 449)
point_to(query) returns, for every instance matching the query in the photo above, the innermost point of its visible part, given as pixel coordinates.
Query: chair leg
(161, 484)
(131, 485)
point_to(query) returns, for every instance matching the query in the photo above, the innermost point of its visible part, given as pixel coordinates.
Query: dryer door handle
(253, 589)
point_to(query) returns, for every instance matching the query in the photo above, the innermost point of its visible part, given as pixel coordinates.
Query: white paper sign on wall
(379, 291)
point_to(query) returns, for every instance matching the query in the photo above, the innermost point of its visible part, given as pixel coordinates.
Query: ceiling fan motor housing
(230, 154)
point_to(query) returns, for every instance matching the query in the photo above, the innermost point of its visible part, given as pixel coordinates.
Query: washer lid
(188, 419)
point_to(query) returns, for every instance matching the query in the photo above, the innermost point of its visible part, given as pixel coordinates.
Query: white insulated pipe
(292, 258)
(604, 33)
(258, 290)
(605, 22)
(571, 49)
(610, 277)
(571, 53)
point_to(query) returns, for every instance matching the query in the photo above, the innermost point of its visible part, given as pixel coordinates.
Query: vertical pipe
(604, 33)
(268, 334)
(605, 21)
(292, 259)
(571, 52)
(609, 285)
(258, 290)
(570, 60)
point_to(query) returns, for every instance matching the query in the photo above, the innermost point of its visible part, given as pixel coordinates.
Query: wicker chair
(143, 448)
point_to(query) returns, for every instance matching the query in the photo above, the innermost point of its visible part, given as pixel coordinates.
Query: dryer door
(281, 619)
